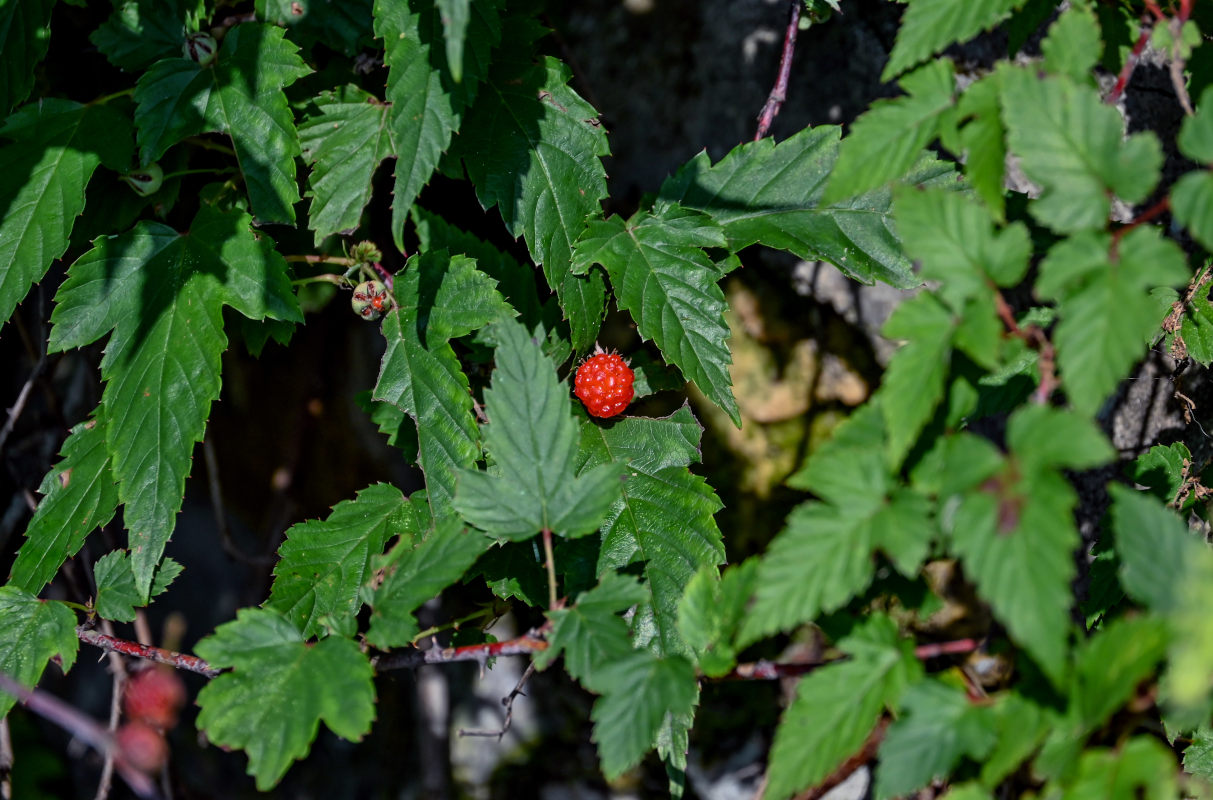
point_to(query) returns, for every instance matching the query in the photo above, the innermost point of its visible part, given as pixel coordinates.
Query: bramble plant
(167, 212)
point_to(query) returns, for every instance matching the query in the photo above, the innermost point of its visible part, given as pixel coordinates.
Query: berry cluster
(152, 699)
(604, 384)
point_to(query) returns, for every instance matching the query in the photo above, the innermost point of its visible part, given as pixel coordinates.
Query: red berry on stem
(142, 746)
(154, 696)
(604, 384)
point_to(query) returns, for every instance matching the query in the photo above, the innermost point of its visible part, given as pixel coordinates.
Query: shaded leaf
(343, 25)
(32, 632)
(591, 634)
(929, 26)
(161, 295)
(117, 596)
(24, 36)
(279, 689)
(140, 32)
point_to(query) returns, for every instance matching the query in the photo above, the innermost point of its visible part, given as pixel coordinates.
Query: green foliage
(279, 689)
(926, 553)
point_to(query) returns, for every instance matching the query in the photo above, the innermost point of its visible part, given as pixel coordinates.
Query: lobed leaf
(1072, 48)
(663, 277)
(79, 496)
(279, 688)
(32, 632)
(416, 571)
(24, 36)
(56, 145)
(533, 148)
(771, 194)
(663, 518)
(532, 438)
(591, 634)
(240, 94)
(837, 706)
(886, 140)
(914, 382)
(140, 32)
(421, 374)
(323, 565)
(929, 26)
(159, 294)
(117, 596)
(637, 693)
(342, 25)
(344, 142)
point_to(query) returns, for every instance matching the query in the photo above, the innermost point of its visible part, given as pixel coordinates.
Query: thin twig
(508, 702)
(313, 259)
(1122, 80)
(216, 491)
(118, 669)
(779, 92)
(531, 642)
(22, 399)
(136, 650)
(550, 563)
(6, 761)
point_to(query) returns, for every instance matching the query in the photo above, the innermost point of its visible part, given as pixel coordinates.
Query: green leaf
(637, 693)
(279, 689)
(117, 596)
(888, 138)
(56, 146)
(344, 143)
(1196, 134)
(711, 612)
(664, 516)
(931, 25)
(837, 706)
(1198, 756)
(79, 496)
(455, 16)
(422, 376)
(240, 94)
(1042, 437)
(323, 564)
(913, 384)
(428, 102)
(1107, 316)
(1154, 546)
(1073, 145)
(955, 239)
(140, 32)
(1073, 45)
(532, 438)
(850, 470)
(161, 294)
(25, 32)
(415, 572)
(342, 25)
(1143, 769)
(956, 464)
(983, 141)
(1192, 204)
(32, 632)
(1162, 469)
(771, 194)
(662, 276)
(1016, 538)
(533, 148)
(591, 634)
(823, 558)
(939, 726)
(1110, 665)
(515, 281)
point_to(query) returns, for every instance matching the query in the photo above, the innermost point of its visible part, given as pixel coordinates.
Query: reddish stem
(779, 92)
(1126, 71)
(1154, 211)
(530, 642)
(113, 644)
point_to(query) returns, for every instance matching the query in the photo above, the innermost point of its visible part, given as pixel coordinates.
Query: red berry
(142, 746)
(154, 696)
(604, 384)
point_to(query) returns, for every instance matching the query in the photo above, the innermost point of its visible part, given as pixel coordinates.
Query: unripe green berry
(200, 47)
(370, 300)
(146, 180)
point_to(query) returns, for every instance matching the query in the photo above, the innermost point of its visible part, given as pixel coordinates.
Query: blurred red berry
(154, 696)
(142, 746)
(604, 384)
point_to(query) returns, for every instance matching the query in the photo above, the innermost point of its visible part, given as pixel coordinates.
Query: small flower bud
(370, 300)
(146, 180)
(200, 47)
